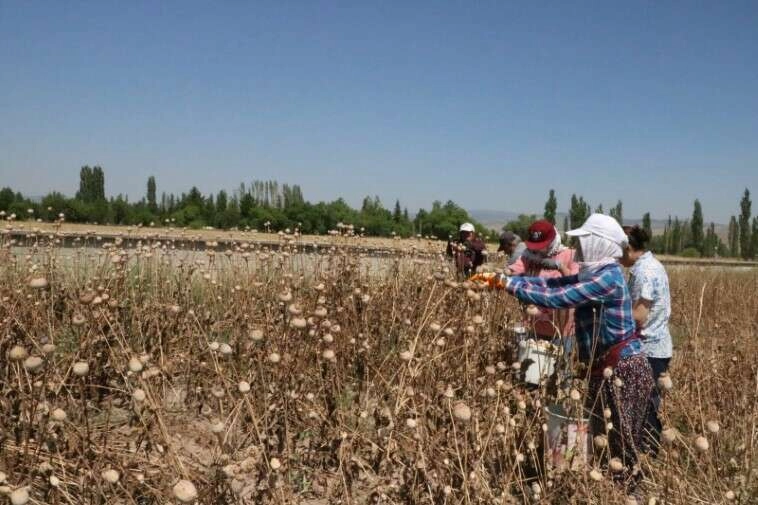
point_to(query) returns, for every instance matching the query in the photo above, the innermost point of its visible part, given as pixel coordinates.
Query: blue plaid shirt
(603, 314)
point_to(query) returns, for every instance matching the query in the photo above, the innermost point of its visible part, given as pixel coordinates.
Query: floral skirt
(627, 396)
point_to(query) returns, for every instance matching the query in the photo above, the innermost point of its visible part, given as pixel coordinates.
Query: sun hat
(541, 234)
(466, 227)
(602, 226)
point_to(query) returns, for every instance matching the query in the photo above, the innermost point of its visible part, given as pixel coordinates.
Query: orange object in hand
(492, 279)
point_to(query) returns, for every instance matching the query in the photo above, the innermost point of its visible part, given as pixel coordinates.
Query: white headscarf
(597, 252)
(556, 245)
(601, 240)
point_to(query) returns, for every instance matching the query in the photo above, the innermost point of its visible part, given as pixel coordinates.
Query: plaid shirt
(603, 314)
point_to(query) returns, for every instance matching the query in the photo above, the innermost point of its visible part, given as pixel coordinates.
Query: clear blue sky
(487, 103)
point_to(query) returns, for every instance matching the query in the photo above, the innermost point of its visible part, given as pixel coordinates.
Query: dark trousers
(653, 425)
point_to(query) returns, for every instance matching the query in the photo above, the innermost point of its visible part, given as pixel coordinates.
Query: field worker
(651, 308)
(512, 245)
(621, 379)
(468, 251)
(546, 256)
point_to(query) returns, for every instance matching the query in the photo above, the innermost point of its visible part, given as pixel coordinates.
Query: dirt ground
(425, 245)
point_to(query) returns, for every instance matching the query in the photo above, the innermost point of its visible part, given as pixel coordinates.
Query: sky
(489, 104)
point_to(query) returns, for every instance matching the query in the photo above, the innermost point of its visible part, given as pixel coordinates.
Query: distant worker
(546, 256)
(468, 251)
(513, 247)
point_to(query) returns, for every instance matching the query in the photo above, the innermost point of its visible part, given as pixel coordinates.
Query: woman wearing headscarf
(620, 379)
(546, 256)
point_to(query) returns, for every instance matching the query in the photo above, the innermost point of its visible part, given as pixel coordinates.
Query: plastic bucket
(519, 333)
(567, 439)
(540, 357)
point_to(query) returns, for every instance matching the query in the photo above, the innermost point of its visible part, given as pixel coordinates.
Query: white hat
(469, 227)
(601, 226)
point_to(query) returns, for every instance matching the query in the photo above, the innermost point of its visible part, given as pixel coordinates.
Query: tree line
(270, 205)
(260, 205)
(688, 237)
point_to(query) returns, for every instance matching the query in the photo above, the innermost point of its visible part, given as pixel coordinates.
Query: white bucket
(519, 333)
(567, 440)
(541, 355)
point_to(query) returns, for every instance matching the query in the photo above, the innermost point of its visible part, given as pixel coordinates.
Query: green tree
(667, 236)
(374, 218)
(599, 209)
(247, 202)
(646, 225)
(686, 238)
(52, 204)
(193, 197)
(551, 206)
(151, 201)
(676, 236)
(121, 210)
(734, 237)
(209, 213)
(85, 192)
(420, 221)
(754, 239)
(696, 227)
(229, 217)
(222, 200)
(520, 225)
(91, 184)
(710, 242)
(744, 222)
(297, 195)
(397, 215)
(443, 221)
(7, 197)
(578, 212)
(617, 212)
(98, 184)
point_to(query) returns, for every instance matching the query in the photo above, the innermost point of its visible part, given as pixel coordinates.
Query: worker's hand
(492, 279)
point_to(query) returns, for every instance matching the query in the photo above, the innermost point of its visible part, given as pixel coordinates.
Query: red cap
(541, 234)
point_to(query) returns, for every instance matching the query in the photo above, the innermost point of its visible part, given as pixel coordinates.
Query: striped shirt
(603, 315)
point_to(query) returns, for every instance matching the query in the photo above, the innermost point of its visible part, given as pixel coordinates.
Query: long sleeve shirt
(549, 319)
(468, 254)
(603, 315)
(516, 255)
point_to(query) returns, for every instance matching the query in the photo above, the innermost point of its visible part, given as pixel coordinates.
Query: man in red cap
(546, 256)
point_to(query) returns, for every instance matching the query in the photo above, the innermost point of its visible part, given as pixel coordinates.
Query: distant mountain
(496, 219)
